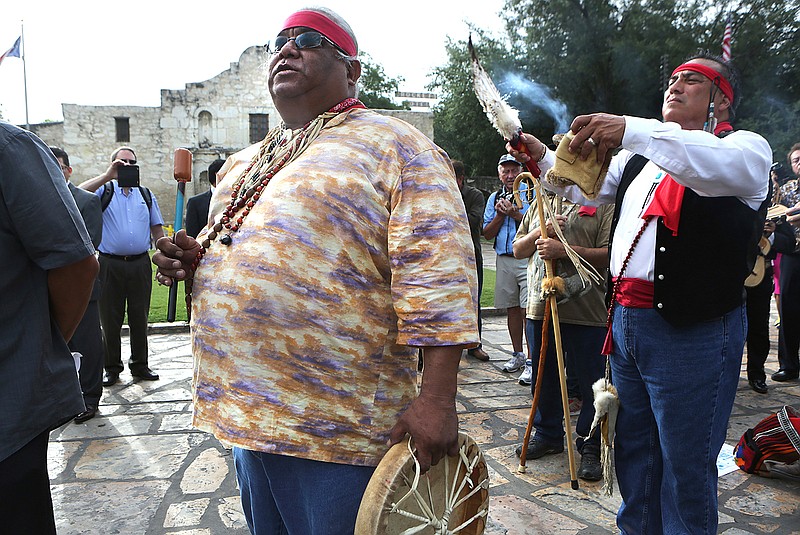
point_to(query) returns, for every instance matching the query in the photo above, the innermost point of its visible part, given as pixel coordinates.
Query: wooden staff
(182, 172)
(506, 120)
(549, 287)
(536, 391)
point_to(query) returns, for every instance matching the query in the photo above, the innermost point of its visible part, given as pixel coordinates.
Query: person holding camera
(501, 220)
(131, 217)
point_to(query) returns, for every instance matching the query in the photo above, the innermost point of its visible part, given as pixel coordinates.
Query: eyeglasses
(309, 39)
(129, 162)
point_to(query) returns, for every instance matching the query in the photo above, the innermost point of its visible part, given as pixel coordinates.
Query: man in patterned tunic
(309, 304)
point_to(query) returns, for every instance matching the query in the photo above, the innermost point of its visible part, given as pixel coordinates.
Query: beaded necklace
(280, 147)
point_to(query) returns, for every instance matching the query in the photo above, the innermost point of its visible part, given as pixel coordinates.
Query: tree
(377, 88)
(766, 48)
(615, 56)
(459, 125)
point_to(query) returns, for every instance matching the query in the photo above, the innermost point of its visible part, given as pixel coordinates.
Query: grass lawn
(159, 299)
(487, 295)
(160, 295)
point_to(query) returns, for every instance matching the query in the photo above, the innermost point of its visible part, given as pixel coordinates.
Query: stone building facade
(213, 119)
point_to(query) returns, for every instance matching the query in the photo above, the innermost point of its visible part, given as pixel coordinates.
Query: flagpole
(25, 74)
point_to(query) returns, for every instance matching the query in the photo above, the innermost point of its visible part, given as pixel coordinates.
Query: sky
(97, 53)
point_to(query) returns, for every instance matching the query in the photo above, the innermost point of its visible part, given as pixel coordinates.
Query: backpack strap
(108, 192)
(147, 196)
(105, 197)
(787, 417)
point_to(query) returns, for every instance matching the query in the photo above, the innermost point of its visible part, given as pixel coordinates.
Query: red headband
(325, 26)
(715, 77)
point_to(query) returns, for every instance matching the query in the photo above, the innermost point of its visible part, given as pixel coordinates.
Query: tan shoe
(479, 354)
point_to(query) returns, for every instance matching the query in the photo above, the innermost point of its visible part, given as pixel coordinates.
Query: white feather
(502, 116)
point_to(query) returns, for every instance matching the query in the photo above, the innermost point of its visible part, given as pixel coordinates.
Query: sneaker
(590, 468)
(527, 374)
(539, 448)
(515, 363)
(575, 406)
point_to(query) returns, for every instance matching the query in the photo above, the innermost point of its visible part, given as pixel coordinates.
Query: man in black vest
(689, 196)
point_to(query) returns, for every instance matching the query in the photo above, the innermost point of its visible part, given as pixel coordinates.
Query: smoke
(536, 95)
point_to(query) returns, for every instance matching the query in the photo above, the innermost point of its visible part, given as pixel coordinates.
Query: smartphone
(128, 176)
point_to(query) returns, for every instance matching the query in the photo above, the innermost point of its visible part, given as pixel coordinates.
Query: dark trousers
(125, 282)
(789, 332)
(88, 341)
(25, 502)
(584, 343)
(759, 299)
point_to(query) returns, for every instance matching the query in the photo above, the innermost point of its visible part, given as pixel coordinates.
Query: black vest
(700, 273)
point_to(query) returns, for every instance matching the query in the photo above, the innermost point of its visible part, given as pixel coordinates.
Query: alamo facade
(213, 119)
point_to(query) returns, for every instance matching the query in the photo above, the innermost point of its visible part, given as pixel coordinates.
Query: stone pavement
(139, 467)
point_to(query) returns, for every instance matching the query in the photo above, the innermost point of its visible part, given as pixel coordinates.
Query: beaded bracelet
(544, 151)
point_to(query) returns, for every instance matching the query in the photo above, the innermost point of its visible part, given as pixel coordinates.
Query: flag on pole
(12, 52)
(726, 41)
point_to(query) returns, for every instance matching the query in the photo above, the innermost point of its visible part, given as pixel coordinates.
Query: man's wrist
(544, 153)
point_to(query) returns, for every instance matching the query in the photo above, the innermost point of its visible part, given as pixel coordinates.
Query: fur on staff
(606, 408)
(553, 285)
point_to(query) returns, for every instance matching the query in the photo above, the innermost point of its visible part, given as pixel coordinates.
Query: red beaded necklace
(277, 150)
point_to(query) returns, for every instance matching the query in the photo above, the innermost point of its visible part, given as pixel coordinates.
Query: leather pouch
(569, 169)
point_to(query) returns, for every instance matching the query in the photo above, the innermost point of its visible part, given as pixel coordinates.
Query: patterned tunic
(302, 328)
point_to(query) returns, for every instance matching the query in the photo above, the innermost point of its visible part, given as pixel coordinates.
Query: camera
(781, 173)
(128, 176)
(507, 195)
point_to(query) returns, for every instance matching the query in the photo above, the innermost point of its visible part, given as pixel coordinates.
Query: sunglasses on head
(309, 39)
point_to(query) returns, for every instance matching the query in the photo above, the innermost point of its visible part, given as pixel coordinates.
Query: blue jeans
(289, 495)
(583, 344)
(676, 388)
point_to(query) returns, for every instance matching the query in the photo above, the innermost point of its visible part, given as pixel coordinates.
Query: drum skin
(450, 495)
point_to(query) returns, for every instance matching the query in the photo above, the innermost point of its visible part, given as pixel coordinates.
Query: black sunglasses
(310, 39)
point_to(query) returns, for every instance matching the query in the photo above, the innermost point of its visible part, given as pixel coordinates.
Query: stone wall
(210, 118)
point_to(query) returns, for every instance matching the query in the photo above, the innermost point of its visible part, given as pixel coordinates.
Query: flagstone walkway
(140, 468)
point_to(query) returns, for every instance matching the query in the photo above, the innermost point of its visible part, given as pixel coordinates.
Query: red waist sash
(634, 293)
